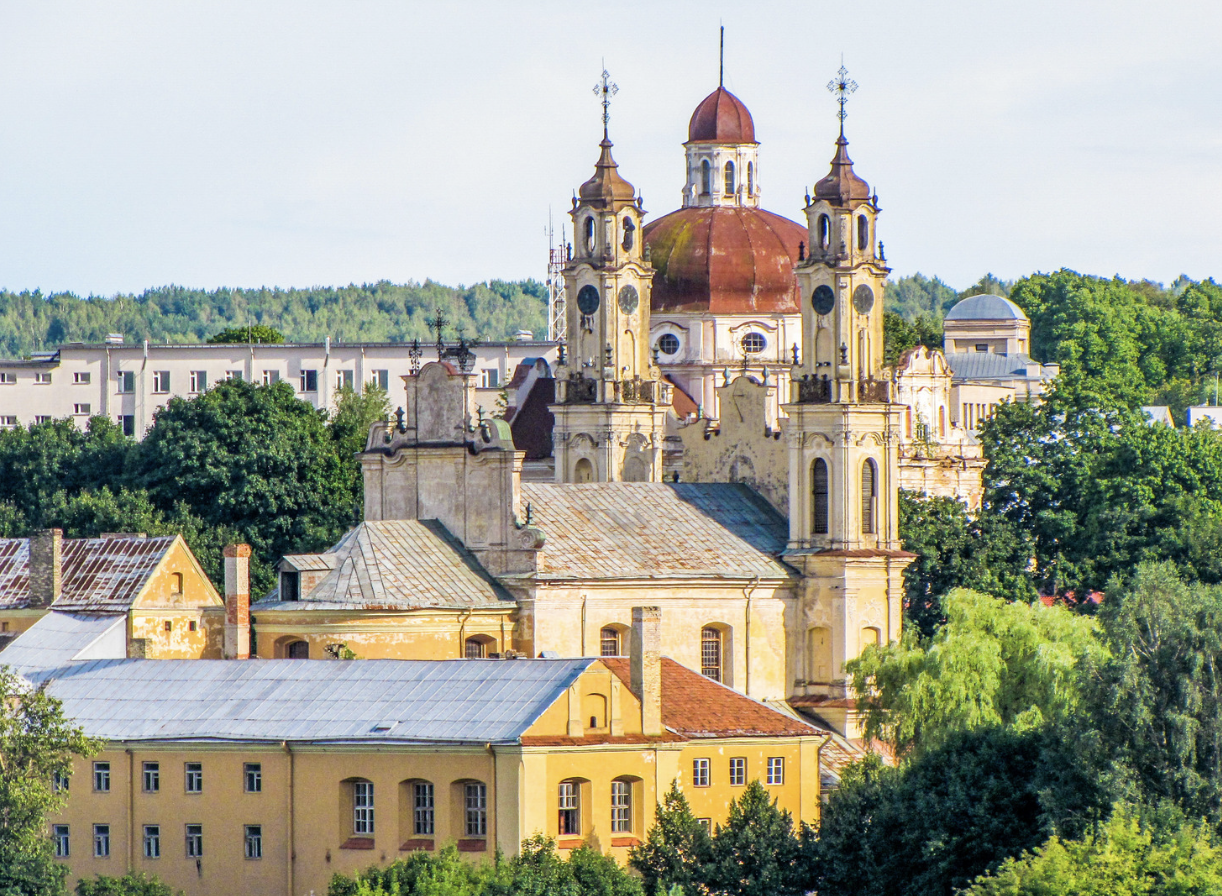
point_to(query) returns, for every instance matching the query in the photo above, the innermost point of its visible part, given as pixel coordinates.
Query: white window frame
(101, 777)
(776, 770)
(701, 774)
(362, 808)
(161, 382)
(198, 382)
(101, 841)
(42, 378)
(151, 777)
(424, 821)
(63, 841)
(569, 804)
(194, 841)
(252, 777)
(126, 382)
(738, 771)
(475, 809)
(621, 807)
(252, 841)
(193, 777)
(82, 378)
(152, 841)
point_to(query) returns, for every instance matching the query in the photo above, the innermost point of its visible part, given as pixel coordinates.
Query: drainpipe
(290, 849)
(493, 828)
(584, 598)
(462, 635)
(751, 586)
(131, 812)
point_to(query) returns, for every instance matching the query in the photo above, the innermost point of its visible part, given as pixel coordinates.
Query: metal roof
(624, 530)
(98, 574)
(441, 701)
(59, 638)
(985, 307)
(991, 365)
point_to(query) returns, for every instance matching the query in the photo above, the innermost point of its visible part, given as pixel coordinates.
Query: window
(825, 232)
(629, 234)
(127, 381)
(710, 653)
(62, 845)
(42, 379)
(668, 344)
(176, 582)
(474, 649)
(8, 421)
(253, 841)
(152, 777)
(750, 178)
(729, 178)
(982, 346)
(309, 381)
(192, 626)
(343, 379)
(776, 770)
(869, 497)
(706, 823)
(59, 782)
(10, 379)
(290, 586)
(161, 381)
(252, 772)
(152, 841)
(621, 807)
(706, 178)
(298, 650)
(589, 235)
(195, 841)
(82, 409)
(570, 808)
(700, 773)
(738, 771)
(195, 777)
(82, 378)
(169, 626)
(101, 777)
(381, 379)
(489, 377)
(422, 808)
(362, 807)
(233, 375)
(271, 376)
(101, 841)
(128, 422)
(199, 380)
(754, 343)
(42, 418)
(475, 800)
(819, 497)
(609, 642)
(863, 233)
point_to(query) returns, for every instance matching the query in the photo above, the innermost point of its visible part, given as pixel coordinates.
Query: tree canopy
(251, 333)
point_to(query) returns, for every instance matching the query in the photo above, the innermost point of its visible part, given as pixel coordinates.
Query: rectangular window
(489, 377)
(152, 841)
(82, 378)
(233, 375)
(476, 809)
(570, 809)
(710, 653)
(128, 422)
(422, 808)
(195, 841)
(700, 773)
(152, 777)
(195, 777)
(161, 381)
(82, 409)
(362, 807)
(127, 381)
(253, 841)
(253, 772)
(706, 823)
(62, 846)
(8, 379)
(290, 586)
(738, 771)
(776, 770)
(271, 376)
(8, 421)
(343, 379)
(42, 418)
(609, 642)
(59, 782)
(381, 379)
(199, 380)
(982, 346)
(101, 777)
(101, 841)
(621, 807)
(309, 381)
(42, 379)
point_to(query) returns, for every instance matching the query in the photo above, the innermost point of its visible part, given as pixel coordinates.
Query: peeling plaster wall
(373, 634)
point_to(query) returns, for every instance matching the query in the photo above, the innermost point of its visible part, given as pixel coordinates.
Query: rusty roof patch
(99, 575)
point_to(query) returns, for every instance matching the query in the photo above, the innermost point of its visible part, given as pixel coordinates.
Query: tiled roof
(694, 706)
(99, 574)
(625, 530)
(59, 638)
(399, 565)
(395, 701)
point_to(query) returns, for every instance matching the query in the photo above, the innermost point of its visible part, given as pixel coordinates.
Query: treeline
(370, 312)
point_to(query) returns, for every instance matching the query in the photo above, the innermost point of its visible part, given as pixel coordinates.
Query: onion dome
(842, 186)
(721, 117)
(606, 187)
(725, 260)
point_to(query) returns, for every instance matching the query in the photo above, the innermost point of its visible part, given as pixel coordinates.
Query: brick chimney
(646, 667)
(237, 601)
(46, 567)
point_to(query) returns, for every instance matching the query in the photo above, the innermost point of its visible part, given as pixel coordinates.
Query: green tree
(252, 333)
(754, 853)
(355, 413)
(676, 850)
(133, 883)
(36, 743)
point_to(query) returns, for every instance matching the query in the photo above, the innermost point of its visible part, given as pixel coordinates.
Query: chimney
(237, 601)
(646, 667)
(46, 567)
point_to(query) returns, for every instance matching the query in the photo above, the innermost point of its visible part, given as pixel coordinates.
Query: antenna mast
(557, 328)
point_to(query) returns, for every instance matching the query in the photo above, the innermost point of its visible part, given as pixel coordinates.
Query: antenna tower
(557, 329)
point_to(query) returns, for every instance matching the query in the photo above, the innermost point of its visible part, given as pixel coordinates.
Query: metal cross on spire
(841, 87)
(605, 89)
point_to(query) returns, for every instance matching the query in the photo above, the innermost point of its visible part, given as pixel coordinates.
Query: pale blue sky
(299, 143)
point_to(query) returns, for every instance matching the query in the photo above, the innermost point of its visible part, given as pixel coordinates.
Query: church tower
(611, 400)
(843, 439)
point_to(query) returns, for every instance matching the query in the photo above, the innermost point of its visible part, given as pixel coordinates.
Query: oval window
(589, 235)
(754, 343)
(629, 233)
(823, 299)
(668, 344)
(587, 300)
(863, 233)
(825, 232)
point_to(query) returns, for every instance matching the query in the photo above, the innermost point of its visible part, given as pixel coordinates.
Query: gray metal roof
(99, 574)
(443, 701)
(59, 638)
(992, 366)
(986, 307)
(623, 530)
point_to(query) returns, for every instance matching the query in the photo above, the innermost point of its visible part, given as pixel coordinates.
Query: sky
(277, 143)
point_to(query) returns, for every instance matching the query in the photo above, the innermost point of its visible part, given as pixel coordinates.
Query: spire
(842, 186)
(721, 65)
(605, 89)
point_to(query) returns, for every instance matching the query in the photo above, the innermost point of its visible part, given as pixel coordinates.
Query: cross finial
(605, 89)
(841, 87)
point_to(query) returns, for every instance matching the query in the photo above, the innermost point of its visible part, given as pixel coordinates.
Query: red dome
(721, 117)
(724, 260)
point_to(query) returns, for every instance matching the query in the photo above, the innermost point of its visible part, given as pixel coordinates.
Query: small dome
(606, 187)
(724, 260)
(721, 117)
(986, 307)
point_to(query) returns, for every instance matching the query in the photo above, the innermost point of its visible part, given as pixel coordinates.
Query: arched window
(711, 653)
(863, 233)
(176, 582)
(362, 807)
(297, 650)
(610, 642)
(750, 178)
(819, 496)
(594, 709)
(706, 178)
(583, 471)
(621, 806)
(629, 233)
(825, 232)
(475, 648)
(869, 496)
(570, 808)
(589, 228)
(870, 637)
(729, 178)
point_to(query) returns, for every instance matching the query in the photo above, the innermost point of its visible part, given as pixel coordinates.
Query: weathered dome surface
(842, 186)
(606, 187)
(721, 117)
(986, 307)
(724, 260)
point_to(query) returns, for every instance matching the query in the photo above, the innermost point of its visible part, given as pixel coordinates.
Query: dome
(606, 187)
(721, 117)
(986, 307)
(725, 260)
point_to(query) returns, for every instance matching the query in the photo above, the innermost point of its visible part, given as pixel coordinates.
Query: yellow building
(269, 776)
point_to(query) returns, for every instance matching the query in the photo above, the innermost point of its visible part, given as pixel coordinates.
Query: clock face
(587, 300)
(628, 299)
(823, 299)
(863, 299)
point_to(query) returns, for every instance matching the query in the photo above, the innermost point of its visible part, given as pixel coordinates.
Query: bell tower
(843, 440)
(611, 400)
